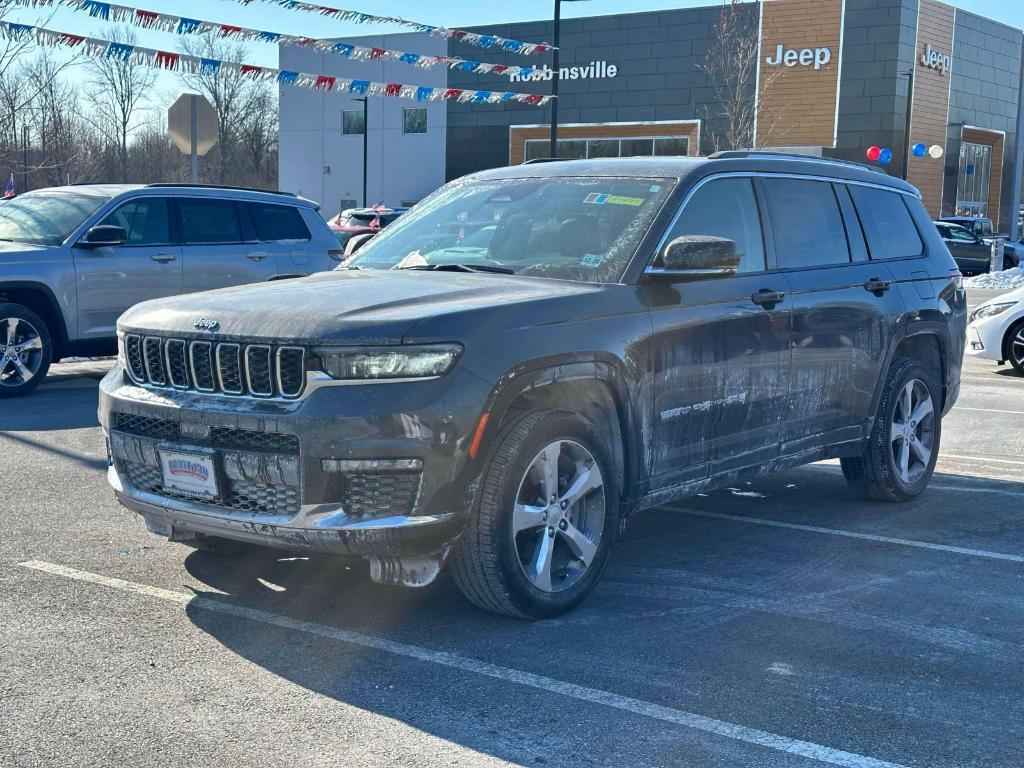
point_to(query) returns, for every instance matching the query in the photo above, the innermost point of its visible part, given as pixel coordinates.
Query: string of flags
(182, 25)
(150, 57)
(472, 38)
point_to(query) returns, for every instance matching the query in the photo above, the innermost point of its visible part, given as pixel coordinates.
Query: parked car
(996, 330)
(72, 259)
(971, 253)
(362, 221)
(630, 331)
(978, 225)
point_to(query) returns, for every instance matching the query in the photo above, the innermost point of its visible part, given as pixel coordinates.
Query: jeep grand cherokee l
(72, 259)
(628, 332)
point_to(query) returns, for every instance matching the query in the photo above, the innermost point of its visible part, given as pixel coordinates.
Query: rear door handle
(877, 286)
(163, 257)
(257, 256)
(768, 298)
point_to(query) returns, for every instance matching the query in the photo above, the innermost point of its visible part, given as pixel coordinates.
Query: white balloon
(936, 151)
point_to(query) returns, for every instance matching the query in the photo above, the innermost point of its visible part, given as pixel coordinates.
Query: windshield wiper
(462, 268)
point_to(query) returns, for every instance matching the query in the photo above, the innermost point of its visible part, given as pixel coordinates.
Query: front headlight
(398, 362)
(991, 310)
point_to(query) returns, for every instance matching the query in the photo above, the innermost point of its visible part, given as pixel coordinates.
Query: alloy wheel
(1017, 348)
(21, 352)
(558, 518)
(912, 432)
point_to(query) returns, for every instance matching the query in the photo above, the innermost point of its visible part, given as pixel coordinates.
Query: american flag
(9, 191)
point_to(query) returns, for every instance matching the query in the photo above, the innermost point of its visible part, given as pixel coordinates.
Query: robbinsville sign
(935, 60)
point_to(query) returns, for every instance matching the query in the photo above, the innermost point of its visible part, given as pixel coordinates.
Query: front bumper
(290, 497)
(985, 338)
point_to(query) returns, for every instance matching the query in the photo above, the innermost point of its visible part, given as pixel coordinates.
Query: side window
(208, 221)
(145, 220)
(279, 222)
(806, 223)
(960, 235)
(944, 232)
(726, 208)
(854, 230)
(888, 226)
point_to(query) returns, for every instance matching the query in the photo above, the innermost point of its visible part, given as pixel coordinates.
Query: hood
(345, 306)
(14, 251)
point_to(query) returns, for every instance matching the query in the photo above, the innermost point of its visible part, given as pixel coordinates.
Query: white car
(996, 330)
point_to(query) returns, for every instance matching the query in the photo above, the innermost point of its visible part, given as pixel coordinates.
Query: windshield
(46, 218)
(578, 228)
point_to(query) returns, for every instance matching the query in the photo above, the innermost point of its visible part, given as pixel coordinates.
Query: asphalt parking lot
(784, 622)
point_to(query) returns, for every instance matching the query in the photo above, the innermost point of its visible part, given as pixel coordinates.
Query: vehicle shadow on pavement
(676, 573)
(50, 409)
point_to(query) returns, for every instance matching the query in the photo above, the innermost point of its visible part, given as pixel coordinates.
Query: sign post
(996, 263)
(193, 125)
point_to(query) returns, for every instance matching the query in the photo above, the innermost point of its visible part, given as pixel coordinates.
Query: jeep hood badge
(203, 324)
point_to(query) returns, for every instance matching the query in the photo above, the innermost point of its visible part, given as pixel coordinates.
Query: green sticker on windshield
(620, 200)
(592, 260)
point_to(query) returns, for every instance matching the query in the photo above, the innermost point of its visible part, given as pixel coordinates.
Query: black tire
(874, 473)
(1008, 348)
(45, 354)
(486, 564)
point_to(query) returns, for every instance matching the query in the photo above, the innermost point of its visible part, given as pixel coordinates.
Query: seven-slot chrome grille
(257, 370)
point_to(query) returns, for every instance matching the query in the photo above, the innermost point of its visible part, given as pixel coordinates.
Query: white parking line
(582, 693)
(986, 410)
(991, 459)
(853, 535)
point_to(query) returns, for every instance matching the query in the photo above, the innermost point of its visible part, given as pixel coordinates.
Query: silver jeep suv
(73, 259)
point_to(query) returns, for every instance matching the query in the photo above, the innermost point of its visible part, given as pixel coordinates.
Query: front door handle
(257, 256)
(768, 298)
(163, 257)
(877, 286)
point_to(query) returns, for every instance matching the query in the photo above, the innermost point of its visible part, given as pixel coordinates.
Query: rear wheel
(900, 456)
(548, 513)
(25, 350)
(1015, 347)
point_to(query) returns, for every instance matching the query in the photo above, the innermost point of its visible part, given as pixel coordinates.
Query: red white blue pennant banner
(150, 57)
(182, 25)
(472, 38)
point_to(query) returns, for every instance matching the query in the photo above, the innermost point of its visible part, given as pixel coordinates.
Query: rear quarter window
(279, 222)
(888, 225)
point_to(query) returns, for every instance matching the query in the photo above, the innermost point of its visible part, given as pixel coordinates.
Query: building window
(414, 120)
(579, 149)
(972, 184)
(353, 121)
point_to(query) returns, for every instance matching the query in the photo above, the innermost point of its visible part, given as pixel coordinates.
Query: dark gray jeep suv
(534, 353)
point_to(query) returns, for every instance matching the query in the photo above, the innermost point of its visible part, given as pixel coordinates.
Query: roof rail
(536, 160)
(767, 153)
(182, 185)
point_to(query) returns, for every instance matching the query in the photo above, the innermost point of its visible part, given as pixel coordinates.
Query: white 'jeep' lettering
(935, 60)
(805, 57)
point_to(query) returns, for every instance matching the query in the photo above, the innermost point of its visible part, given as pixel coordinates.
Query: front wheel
(542, 532)
(26, 350)
(1015, 347)
(901, 452)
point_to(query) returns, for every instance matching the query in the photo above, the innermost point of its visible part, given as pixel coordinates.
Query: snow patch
(1006, 280)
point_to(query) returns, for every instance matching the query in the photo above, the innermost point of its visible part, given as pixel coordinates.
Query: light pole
(366, 130)
(556, 42)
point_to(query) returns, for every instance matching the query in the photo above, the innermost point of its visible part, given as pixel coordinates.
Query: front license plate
(193, 474)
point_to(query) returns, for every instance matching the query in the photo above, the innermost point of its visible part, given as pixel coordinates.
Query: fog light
(370, 465)
(977, 345)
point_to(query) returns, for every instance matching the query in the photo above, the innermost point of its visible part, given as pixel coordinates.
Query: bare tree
(731, 68)
(119, 86)
(257, 134)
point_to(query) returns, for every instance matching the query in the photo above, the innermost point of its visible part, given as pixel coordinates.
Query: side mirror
(699, 256)
(104, 236)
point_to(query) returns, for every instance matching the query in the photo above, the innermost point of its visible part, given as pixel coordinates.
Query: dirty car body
(369, 411)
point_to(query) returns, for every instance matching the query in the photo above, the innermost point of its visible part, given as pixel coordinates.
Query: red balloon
(874, 153)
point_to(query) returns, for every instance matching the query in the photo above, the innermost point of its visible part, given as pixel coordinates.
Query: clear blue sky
(452, 13)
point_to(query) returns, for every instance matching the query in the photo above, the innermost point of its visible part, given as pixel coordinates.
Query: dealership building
(831, 77)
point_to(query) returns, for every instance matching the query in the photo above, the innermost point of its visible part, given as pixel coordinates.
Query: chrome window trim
(302, 371)
(270, 363)
(162, 382)
(220, 368)
(192, 364)
(167, 362)
(651, 270)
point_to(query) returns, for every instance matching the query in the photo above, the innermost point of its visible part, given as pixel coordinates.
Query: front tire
(548, 511)
(1015, 346)
(903, 447)
(26, 350)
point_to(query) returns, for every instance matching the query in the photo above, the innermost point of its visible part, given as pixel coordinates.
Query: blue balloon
(920, 150)
(885, 157)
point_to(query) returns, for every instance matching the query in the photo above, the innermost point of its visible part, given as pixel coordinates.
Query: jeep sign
(805, 57)
(935, 60)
